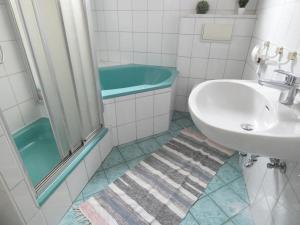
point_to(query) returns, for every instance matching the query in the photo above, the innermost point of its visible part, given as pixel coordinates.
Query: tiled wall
(275, 197)
(140, 115)
(60, 201)
(16, 97)
(146, 31)
(199, 60)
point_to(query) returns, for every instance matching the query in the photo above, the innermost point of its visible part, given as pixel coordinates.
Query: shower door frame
(25, 43)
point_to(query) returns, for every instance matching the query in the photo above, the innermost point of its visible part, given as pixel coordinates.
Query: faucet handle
(290, 78)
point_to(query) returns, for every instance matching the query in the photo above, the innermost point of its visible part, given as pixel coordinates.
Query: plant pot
(241, 11)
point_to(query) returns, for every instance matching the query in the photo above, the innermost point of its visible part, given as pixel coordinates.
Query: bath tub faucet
(289, 86)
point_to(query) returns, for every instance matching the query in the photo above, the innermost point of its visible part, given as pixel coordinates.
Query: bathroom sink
(247, 117)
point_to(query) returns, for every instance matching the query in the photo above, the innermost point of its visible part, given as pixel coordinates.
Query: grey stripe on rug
(161, 189)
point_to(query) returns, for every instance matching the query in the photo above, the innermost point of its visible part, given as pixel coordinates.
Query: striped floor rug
(162, 188)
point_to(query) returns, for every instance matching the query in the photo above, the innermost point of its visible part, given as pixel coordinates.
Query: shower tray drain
(247, 126)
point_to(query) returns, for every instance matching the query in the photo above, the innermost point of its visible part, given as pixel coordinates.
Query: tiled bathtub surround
(199, 60)
(146, 31)
(140, 115)
(16, 97)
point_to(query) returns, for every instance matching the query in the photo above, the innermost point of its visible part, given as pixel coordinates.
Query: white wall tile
(162, 103)
(125, 21)
(6, 30)
(161, 123)
(126, 133)
(219, 51)
(171, 22)
(93, 160)
(38, 219)
(113, 40)
(56, 206)
(13, 118)
(215, 69)
(155, 5)
(24, 201)
(111, 20)
(13, 62)
(239, 48)
(7, 98)
(125, 112)
(126, 41)
(140, 21)
(8, 164)
(140, 58)
(139, 4)
(154, 59)
(171, 5)
(187, 26)
(140, 42)
(144, 107)
(234, 69)
(30, 111)
(154, 42)
(200, 49)
(169, 44)
(124, 4)
(110, 114)
(145, 128)
(110, 4)
(77, 179)
(185, 45)
(168, 60)
(183, 65)
(155, 22)
(244, 27)
(198, 67)
(106, 144)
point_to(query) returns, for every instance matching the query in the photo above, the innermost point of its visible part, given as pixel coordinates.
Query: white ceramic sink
(222, 108)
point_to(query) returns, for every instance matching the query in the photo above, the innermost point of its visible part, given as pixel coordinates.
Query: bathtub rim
(113, 93)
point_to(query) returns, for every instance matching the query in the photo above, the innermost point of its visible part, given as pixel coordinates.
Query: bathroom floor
(226, 199)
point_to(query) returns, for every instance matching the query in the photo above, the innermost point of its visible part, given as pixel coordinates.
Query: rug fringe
(80, 217)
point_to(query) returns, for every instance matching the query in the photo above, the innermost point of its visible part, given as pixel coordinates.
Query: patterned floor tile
(148, 146)
(225, 194)
(184, 122)
(177, 115)
(228, 174)
(174, 126)
(96, 184)
(214, 185)
(228, 201)
(70, 216)
(244, 218)
(113, 159)
(130, 152)
(234, 161)
(189, 220)
(132, 163)
(239, 187)
(115, 172)
(206, 212)
(164, 138)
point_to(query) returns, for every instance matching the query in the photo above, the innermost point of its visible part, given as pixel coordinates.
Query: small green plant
(243, 3)
(202, 7)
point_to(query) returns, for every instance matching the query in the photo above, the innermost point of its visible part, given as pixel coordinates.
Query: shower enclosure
(60, 71)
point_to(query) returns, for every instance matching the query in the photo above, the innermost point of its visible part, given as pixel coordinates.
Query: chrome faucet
(289, 86)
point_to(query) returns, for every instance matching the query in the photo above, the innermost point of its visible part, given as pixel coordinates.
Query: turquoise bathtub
(38, 149)
(131, 79)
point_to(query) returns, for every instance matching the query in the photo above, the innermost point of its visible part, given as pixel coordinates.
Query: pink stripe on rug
(90, 213)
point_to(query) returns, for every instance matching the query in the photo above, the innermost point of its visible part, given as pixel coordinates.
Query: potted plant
(202, 7)
(242, 5)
